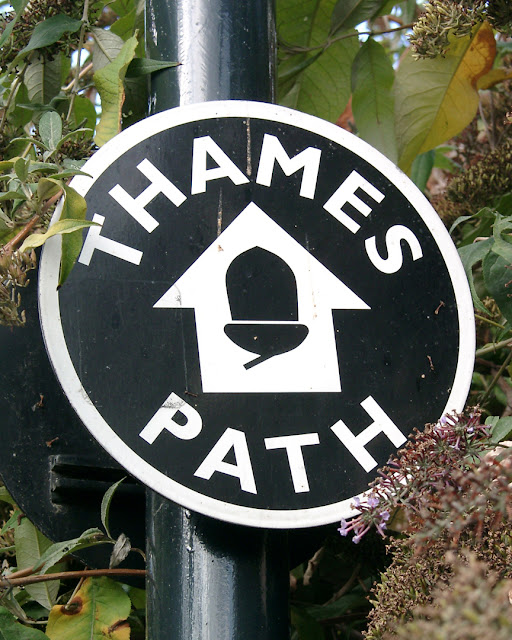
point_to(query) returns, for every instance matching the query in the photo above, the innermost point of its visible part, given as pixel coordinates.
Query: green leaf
(470, 255)
(43, 79)
(436, 98)
(123, 7)
(422, 168)
(144, 66)
(84, 114)
(109, 83)
(50, 129)
(498, 282)
(373, 103)
(73, 210)
(501, 428)
(105, 505)
(30, 546)
(11, 629)
(18, 6)
(50, 31)
(306, 626)
(98, 611)
(60, 227)
(47, 188)
(21, 169)
(322, 88)
(59, 550)
(12, 522)
(502, 225)
(125, 26)
(12, 195)
(5, 496)
(107, 46)
(347, 14)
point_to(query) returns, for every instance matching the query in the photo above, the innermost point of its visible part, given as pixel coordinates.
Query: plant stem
(14, 90)
(491, 348)
(494, 324)
(81, 41)
(65, 575)
(505, 364)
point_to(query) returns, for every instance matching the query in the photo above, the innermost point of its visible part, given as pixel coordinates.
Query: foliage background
(426, 83)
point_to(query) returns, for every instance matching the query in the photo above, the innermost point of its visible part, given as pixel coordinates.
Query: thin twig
(14, 90)
(496, 378)
(21, 235)
(344, 36)
(68, 575)
(347, 586)
(81, 41)
(82, 73)
(492, 348)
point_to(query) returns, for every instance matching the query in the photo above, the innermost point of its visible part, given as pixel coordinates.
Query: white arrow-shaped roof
(313, 366)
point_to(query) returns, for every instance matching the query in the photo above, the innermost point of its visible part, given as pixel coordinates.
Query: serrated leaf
(30, 546)
(373, 103)
(323, 87)
(436, 98)
(109, 83)
(144, 66)
(498, 282)
(59, 550)
(43, 79)
(11, 629)
(50, 31)
(470, 255)
(502, 225)
(98, 611)
(105, 504)
(347, 14)
(501, 429)
(50, 129)
(107, 46)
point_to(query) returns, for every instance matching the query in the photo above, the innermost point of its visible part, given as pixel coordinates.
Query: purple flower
(384, 515)
(343, 529)
(373, 501)
(357, 538)
(357, 502)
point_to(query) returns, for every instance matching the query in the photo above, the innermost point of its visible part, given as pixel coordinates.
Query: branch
(21, 235)
(65, 575)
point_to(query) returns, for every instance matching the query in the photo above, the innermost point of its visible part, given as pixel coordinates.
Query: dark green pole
(208, 580)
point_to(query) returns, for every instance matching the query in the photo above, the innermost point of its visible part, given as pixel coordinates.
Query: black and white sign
(265, 310)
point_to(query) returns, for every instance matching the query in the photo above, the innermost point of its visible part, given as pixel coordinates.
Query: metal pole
(209, 580)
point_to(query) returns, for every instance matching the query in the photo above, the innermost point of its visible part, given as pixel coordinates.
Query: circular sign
(264, 310)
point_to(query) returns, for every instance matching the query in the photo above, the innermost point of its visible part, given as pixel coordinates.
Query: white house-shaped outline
(310, 367)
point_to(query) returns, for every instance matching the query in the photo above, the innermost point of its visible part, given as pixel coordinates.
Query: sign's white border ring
(92, 419)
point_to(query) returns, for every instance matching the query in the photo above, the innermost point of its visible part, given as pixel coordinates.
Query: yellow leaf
(494, 77)
(436, 98)
(109, 81)
(98, 611)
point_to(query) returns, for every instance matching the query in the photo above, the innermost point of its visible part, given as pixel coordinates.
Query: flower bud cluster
(441, 20)
(14, 268)
(408, 488)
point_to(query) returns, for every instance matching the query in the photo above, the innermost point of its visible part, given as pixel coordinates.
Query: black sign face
(265, 310)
